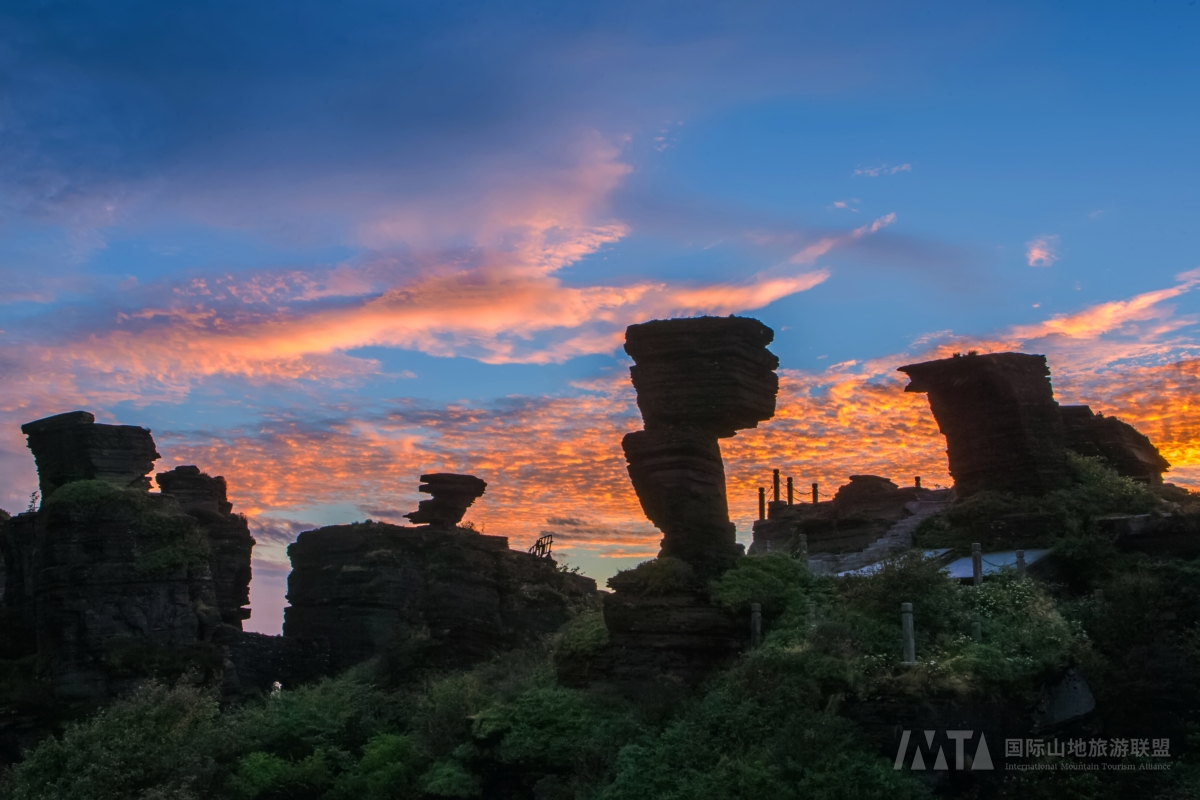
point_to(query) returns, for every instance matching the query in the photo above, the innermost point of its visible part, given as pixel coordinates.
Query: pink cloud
(810, 253)
(1041, 251)
(884, 169)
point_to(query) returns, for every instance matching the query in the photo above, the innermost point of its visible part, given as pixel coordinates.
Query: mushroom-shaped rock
(452, 495)
(697, 381)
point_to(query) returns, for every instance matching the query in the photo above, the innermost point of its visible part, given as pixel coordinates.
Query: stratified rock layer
(697, 380)
(229, 541)
(121, 579)
(72, 447)
(457, 595)
(1126, 450)
(452, 495)
(1002, 425)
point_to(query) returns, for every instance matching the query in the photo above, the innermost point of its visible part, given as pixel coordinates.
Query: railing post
(775, 485)
(814, 494)
(762, 503)
(1021, 563)
(755, 624)
(906, 626)
(789, 491)
(977, 563)
(804, 546)
(918, 481)
(977, 628)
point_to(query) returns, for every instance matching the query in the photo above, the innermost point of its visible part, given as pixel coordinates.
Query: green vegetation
(1096, 491)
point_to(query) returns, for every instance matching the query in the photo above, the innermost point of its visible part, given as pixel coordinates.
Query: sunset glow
(322, 254)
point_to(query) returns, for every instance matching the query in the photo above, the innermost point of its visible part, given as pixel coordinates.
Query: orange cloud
(810, 253)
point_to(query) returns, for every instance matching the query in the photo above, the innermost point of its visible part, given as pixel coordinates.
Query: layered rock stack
(1126, 450)
(204, 498)
(1002, 425)
(698, 381)
(452, 495)
(115, 583)
(72, 447)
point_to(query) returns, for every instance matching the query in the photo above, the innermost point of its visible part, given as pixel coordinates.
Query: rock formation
(113, 582)
(1002, 425)
(697, 381)
(860, 513)
(1126, 450)
(457, 595)
(452, 495)
(229, 541)
(72, 447)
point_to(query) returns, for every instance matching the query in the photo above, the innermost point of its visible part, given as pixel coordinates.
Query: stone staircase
(898, 538)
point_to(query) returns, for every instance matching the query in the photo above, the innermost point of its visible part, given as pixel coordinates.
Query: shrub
(775, 581)
(155, 743)
(658, 576)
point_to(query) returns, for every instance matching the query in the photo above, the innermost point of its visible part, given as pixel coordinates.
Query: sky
(321, 249)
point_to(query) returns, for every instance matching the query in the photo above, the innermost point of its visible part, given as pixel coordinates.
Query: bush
(658, 576)
(775, 581)
(155, 743)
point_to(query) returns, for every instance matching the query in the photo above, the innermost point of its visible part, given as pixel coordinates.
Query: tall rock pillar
(698, 381)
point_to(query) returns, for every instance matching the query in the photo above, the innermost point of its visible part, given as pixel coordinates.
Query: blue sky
(321, 248)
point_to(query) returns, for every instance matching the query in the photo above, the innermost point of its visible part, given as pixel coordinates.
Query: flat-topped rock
(452, 495)
(456, 595)
(710, 373)
(72, 447)
(1121, 445)
(1002, 425)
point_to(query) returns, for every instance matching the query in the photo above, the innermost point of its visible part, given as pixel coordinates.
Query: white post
(906, 626)
(1021, 563)
(977, 563)
(755, 624)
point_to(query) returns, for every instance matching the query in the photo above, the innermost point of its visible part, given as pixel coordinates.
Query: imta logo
(981, 760)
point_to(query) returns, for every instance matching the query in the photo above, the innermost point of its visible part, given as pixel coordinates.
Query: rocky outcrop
(72, 447)
(456, 595)
(115, 583)
(1003, 428)
(1126, 450)
(228, 535)
(452, 495)
(697, 381)
(861, 512)
(121, 582)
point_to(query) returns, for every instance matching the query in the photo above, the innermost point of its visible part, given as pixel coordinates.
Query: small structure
(544, 546)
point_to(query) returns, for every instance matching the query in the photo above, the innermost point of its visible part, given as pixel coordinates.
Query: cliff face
(459, 595)
(121, 578)
(697, 381)
(1126, 450)
(1002, 425)
(229, 541)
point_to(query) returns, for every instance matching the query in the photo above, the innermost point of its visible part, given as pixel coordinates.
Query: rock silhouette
(1126, 450)
(452, 495)
(697, 380)
(1002, 425)
(455, 595)
(72, 447)
(229, 541)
